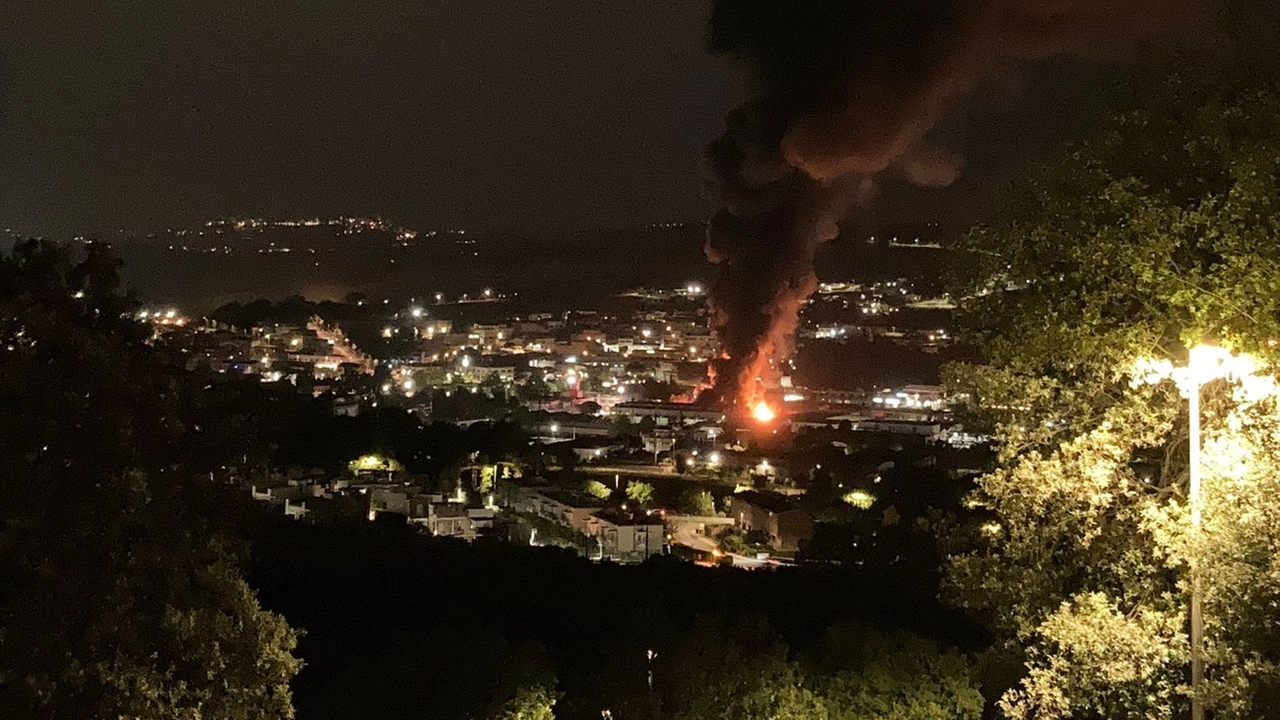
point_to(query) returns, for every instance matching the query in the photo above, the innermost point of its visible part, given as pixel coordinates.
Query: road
(632, 470)
(684, 535)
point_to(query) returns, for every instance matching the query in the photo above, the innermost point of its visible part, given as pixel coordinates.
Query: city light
(860, 499)
(416, 312)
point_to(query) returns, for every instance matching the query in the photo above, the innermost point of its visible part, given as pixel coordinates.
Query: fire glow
(763, 413)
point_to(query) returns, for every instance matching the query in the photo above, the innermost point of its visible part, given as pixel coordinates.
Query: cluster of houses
(614, 532)
(344, 500)
(620, 535)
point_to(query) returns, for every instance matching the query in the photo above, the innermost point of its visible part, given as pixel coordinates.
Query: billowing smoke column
(845, 92)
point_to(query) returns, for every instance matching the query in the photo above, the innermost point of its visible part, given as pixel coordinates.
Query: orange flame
(763, 413)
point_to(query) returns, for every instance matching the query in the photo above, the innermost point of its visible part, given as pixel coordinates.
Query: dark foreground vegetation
(421, 628)
(127, 536)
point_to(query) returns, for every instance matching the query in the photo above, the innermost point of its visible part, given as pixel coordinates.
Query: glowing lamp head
(762, 412)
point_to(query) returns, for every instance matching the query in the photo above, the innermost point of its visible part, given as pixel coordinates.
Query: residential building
(786, 524)
(629, 538)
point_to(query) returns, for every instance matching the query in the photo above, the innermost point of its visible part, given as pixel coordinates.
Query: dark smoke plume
(843, 92)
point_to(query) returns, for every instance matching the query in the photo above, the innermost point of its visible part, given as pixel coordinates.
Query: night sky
(460, 113)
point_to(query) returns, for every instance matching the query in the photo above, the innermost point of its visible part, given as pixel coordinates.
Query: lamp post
(1205, 363)
(1196, 377)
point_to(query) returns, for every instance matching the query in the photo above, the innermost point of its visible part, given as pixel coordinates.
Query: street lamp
(651, 655)
(1205, 364)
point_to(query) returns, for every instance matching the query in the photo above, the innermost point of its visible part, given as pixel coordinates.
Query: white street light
(1205, 364)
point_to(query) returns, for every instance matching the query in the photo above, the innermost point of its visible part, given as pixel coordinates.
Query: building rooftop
(623, 517)
(772, 502)
(572, 499)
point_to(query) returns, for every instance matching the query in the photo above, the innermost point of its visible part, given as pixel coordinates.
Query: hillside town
(622, 458)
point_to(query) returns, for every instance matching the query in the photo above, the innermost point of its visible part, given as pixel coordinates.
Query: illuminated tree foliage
(697, 502)
(1159, 234)
(533, 702)
(742, 672)
(640, 492)
(117, 600)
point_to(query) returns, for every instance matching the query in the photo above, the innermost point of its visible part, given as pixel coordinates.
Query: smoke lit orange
(762, 412)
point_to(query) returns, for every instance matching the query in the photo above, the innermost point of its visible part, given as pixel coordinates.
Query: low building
(658, 441)
(390, 499)
(448, 520)
(860, 422)
(347, 406)
(777, 516)
(623, 537)
(629, 538)
(664, 413)
(592, 449)
(276, 494)
(574, 511)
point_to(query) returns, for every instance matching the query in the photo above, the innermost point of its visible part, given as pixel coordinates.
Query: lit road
(633, 470)
(684, 535)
